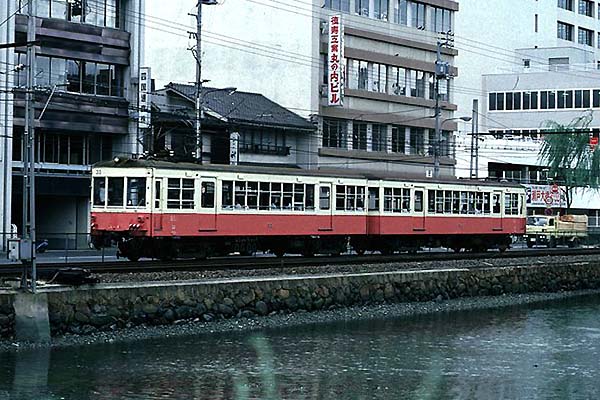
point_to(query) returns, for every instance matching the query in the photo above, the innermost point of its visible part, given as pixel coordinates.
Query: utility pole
(28, 255)
(442, 71)
(474, 165)
(199, 83)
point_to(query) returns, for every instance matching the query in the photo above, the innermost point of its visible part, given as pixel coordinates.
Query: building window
(334, 132)
(565, 31)
(379, 77)
(398, 139)
(417, 11)
(361, 7)
(417, 141)
(359, 136)
(381, 10)
(401, 12)
(260, 141)
(585, 36)
(566, 4)
(547, 100)
(442, 20)
(339, 5)
(586, 7)
(97, 12)
(398, 79)
(358, 74)
(379, 134)
(536, 23)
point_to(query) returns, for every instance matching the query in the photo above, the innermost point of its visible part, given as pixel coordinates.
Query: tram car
(166, 210)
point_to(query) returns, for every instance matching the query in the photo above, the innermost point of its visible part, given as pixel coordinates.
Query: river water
(547, 351)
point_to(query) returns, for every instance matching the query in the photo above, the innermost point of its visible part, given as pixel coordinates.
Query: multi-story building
(86, 76)
(385, 121)
(545, 70)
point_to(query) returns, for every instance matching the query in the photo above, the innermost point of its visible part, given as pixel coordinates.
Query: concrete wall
(118, 306)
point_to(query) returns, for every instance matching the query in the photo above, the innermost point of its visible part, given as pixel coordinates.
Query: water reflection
(546, 351)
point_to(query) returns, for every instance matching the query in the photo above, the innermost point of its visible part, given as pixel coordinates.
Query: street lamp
(200, 115)
(438, 141)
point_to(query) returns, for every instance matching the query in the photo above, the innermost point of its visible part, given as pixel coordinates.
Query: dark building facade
(86, 81)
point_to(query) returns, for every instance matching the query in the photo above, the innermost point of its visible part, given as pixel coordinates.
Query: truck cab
(551, 231)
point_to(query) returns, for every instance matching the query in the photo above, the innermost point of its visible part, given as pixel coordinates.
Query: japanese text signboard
(144, 98)
(335, 61)
(545, 196)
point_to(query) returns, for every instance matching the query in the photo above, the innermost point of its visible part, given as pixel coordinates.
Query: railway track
(255, 263)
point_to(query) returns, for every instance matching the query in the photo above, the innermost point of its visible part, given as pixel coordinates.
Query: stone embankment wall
(111, 307)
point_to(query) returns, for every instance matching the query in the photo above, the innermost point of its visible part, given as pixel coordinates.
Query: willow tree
(566, 150)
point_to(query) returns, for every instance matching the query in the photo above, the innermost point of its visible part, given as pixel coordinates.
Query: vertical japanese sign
(335, 61)
(144, 98)
(234, 148)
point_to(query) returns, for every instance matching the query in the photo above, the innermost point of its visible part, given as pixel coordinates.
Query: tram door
(325, 207)
(157, 214)
(497, 211)
(419, 210)
(208, 204)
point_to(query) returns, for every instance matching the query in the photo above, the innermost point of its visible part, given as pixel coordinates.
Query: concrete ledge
(108, 307)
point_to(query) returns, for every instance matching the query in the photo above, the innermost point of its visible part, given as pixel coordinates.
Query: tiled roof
(244, 107)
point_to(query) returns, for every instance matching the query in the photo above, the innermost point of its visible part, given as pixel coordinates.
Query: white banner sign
(234, 148)
(335, 61)
(144, 98)
(549, 196)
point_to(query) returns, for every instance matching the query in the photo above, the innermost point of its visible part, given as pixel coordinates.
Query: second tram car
(164, 210)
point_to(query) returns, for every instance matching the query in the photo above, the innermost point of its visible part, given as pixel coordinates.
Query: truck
(551, 231)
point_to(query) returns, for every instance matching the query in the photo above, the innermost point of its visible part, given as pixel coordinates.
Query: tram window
(276, 196)
(360, 198)
(478, 203)
(373, 199)
(227, 194)
(471, 202)
(299, 197)
(99, 191)
(136, 192)
(418, 201)
(496, 203)
(455, 202)
(464, 200)
(340, 197)
(511, 204)
(405, 200)
(252, 199)
(263, 196)
(240, 194)
(350, 198)
(180, 193)
(310, 197)
(324, 198)
(288, 195)
(486, 203)
(439, 201)
(448, 201)
(207, 200)
(431, 201)
(388, 204)
(157, 194)
(115, 192)
(187, 193)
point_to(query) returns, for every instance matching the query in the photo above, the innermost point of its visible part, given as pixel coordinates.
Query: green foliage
(568, 155)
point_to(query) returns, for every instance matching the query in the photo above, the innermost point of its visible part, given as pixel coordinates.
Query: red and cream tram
(164, 210)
